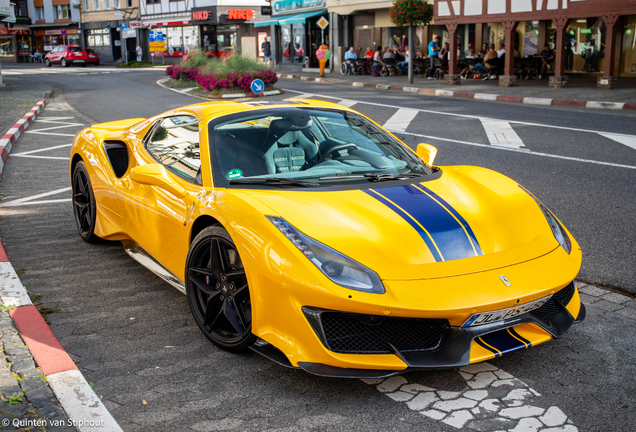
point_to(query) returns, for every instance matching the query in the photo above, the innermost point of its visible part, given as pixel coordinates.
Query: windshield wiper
(374, 177)
(273, 180)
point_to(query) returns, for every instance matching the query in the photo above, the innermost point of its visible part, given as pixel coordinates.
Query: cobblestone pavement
(17, 97)
(27, 401)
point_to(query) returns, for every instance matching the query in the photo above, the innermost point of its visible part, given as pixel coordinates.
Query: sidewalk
(17, 97)
(582, 92)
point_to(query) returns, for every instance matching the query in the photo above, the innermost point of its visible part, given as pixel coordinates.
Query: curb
(161, 82)
(9, 138)
(481, 96)
(83, 406)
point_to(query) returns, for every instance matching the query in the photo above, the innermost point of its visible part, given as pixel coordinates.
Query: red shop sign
(240, 14)
(201, 15)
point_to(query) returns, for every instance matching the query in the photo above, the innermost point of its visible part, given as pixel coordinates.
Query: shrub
(215, 75)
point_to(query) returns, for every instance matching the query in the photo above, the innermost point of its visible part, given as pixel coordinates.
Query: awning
(266, 23)
(300, 18)
(289, 19)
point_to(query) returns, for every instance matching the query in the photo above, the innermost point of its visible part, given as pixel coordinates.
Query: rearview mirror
(156, 175)
(427, 152)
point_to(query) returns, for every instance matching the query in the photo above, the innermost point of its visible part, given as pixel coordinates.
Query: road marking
(41, 150)
(628, 140)
(56, 127)
(501, 134)
(401, 119)
(519, 150)
(479, 405)
(52, 119)
(41, 157)
(303, 96)
(347, 103)
(23, 201)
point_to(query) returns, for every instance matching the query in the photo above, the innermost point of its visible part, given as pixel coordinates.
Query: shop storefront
(180, 37)
(104, 38)
(47, 39)
(228, 30)
(297, 35)
(15, 44)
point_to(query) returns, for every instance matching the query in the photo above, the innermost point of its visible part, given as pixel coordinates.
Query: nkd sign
(201, 15)
(240, 14)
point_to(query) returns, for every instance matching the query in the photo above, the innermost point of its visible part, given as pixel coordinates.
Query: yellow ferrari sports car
(304, 231)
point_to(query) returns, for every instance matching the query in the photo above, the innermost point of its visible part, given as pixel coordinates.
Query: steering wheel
(328, 153)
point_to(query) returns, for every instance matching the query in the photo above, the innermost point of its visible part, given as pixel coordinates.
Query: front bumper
(459, 346)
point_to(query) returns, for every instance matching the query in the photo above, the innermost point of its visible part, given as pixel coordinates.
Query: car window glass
(74, 49)
(175, 144)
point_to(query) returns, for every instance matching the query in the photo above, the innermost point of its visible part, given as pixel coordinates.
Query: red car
(66, 55)
(91, 57)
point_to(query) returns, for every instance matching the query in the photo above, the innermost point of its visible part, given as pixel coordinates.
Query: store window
(628, 52)
(73, 40)
(6, 46)
(586, 40)
(63, 12)
(24, 46)
(179, 40)
(39, 13)
(226, 41)
(99, 38)
(298, 33)
(95, 5)
(286, 42)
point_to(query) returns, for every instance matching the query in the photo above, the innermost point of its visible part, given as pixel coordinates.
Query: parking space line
(41, 157)
(22, 201)
(41, 150)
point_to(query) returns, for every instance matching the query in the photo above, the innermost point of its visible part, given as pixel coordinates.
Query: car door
(53, 55)
(155, 218)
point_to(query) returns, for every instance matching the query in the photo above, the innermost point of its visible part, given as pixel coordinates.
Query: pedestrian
(547, 55)
(267, 51)
(433, 53)
(139, 52)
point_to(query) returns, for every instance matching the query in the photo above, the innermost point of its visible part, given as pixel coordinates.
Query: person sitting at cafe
(471, 55)
(404, 65)
(388, 54)
(484, 50)
(351, 54)
(369, 53)
(443, 53)
(502, 49)
(547, 55)
(377, 61)
(467, 51)
(37, 56)
(490, 61)
(397, 53)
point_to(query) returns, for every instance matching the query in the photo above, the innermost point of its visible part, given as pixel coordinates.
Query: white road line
(401, 119)
(474, 116)
(347, 103)
(41, 150)
(501, 134)
(304, 96)
(21, 201)
(41, 157)
(480, 401)
(51, 133)
(52, 119)
(519, 150)
(628, 140)
(57, 127)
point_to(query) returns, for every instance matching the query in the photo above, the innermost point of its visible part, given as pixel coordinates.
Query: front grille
(550, 309)
(351, 333)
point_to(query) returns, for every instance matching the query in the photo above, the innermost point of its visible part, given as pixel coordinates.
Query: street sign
(155, 36)
(63, 32)
(257, 86)
(322, 23)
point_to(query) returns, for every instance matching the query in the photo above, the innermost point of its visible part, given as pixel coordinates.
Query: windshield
(321, 146)
(74, 49)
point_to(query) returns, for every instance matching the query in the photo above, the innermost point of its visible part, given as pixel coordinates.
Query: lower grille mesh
(550, 308)
(351, 333)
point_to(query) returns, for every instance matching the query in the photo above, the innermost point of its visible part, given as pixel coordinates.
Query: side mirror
(156, 175)
(427, 152)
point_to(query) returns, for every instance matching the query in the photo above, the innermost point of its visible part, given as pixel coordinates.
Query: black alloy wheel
(64, 64)
(47, 62)
(217, 290)
(84, 203)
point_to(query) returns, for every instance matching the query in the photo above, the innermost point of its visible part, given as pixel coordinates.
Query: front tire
(47, 62)
(84, 207)
(217, 290)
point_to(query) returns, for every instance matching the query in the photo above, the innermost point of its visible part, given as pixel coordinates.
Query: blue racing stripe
(458, 216)
(411, 222)
(447, 233)
(503, 341)
(515, 334)
(483, 345)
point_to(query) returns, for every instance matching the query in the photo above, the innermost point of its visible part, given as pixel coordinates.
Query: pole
(322, 40)
(411, 55)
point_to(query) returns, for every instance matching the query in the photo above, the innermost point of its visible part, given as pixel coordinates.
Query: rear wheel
(84, 206)
(64, 64)
(217, 290)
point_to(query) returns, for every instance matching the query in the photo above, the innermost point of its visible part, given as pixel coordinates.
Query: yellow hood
(468, 220)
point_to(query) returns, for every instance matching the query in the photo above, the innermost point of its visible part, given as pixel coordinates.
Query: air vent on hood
(118, 156)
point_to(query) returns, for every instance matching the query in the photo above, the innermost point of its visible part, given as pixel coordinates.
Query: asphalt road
(133, 336)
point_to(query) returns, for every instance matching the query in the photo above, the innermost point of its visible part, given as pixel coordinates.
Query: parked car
(66, 56)
(91, 57)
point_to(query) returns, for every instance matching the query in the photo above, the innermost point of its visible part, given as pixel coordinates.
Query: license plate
(79, 61)
(502, 314)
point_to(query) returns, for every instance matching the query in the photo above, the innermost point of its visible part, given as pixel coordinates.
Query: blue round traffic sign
(257, 86)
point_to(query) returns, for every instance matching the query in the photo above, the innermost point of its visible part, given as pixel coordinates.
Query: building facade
(16, 43)
(55, 22)
(103, 27)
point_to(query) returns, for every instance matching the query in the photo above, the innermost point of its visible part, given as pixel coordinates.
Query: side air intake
(118, 156)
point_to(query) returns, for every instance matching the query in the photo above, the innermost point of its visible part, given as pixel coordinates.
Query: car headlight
(339, 268)
(557, 229)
